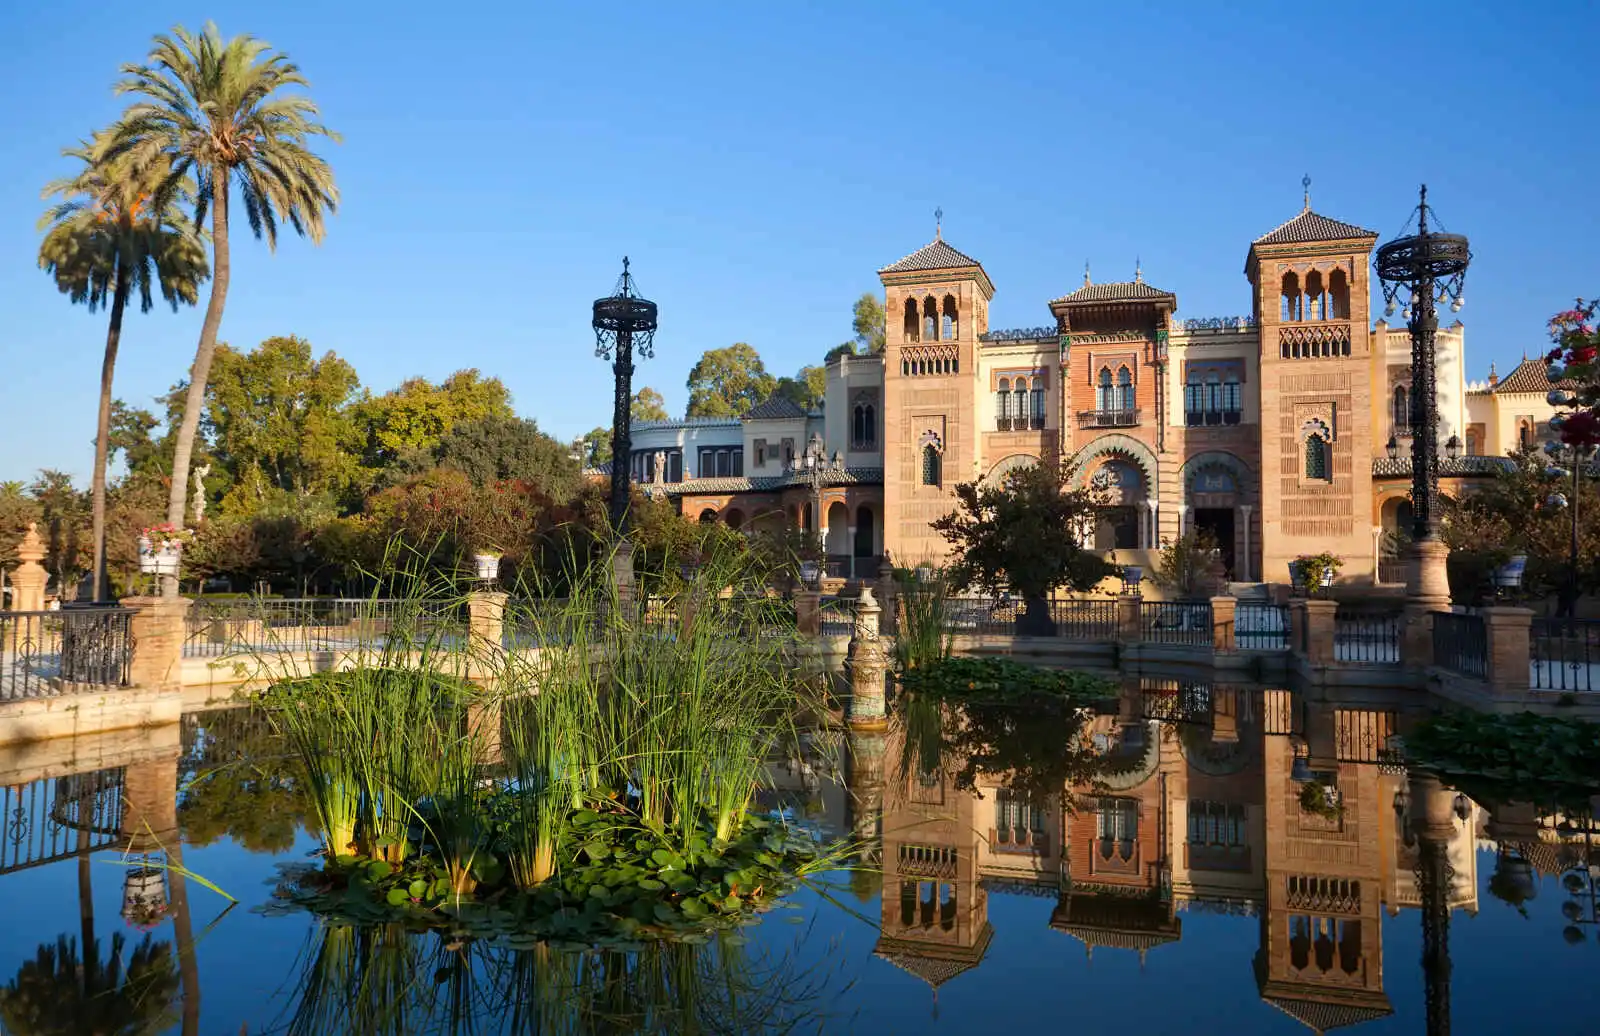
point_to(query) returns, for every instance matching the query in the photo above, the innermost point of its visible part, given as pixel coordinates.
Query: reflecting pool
(1191, 858)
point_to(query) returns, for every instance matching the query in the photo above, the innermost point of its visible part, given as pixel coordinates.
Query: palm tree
(218, 110)
(118, 229)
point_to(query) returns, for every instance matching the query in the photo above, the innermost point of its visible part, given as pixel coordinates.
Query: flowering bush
(1576, 358)
(166, 535)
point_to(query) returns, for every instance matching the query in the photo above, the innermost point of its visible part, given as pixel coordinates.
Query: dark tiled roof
(1115, 291)
(1309, 226)
(771, 483)
(1530, 376)
(603, 468)
(1325, 1017)
(1400, 467)
(775, 408)
(935, 255)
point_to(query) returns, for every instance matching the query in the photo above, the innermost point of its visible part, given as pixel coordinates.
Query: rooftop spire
(938, 224)
(1305, 182)
(1086, 273)
(1138, 271)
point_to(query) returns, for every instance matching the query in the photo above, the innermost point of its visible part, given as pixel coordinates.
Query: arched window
(1319, 465)
(1103, 398)
(1038, 402)
(1402, 411)
(930, 319)
(931, 465)
(1524, 435)
(1339, 295)
(1124, 389)
(1019, 404)
(1194, 400)
(1472, 443)
(952, 325)
(1316, 296)
(864, 427)
(911, 322)
(1002, 405)
(1291, 297)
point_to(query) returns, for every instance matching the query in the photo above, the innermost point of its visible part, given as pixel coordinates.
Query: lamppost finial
(1305, 182)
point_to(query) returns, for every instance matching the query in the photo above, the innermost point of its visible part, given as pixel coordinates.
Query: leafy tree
(136, 503)
(18, 510)
(595, 446)
(220, 110)
(1189, 566)
(806, 389)
(117, 230)
(648, 405)
(728, 382)
(281, 420)
(494, 449)
(842, 349)
(64, 511)
(128, 990)
(1021, 535)
(132, 434)
(418, 414)
(868, 323)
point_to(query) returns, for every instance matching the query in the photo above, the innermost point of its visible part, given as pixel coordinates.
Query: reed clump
(593, 779)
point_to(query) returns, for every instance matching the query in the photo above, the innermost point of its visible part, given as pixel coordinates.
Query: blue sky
(759, 162)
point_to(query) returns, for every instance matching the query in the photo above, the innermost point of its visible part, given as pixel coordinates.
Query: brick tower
(936, 304)
(1311, 300)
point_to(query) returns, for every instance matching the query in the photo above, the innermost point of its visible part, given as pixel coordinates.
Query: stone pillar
(868, 664)
(27, 582)
(1427, 581)
(623, 581)
(1317, 622)
(150, 805)
(157, 632)
(1432, 807)
(1508, 630)
(1183, 515)
(1129, 628)
(1155, 527)
(486, 620)
(1244, 556)
(1416, 634)
(888, 597)
(1222, 623)
(808, 612)
(484, 726)
(1377, 551)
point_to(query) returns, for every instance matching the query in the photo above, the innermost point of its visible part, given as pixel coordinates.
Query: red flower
(1581, 428)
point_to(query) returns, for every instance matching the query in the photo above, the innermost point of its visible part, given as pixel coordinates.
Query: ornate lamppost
(621, 321)
(1577, 455)
(1422, 269)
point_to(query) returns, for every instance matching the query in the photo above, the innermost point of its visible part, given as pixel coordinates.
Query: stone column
(1183, 517)
(1507, 653)
(1155, 526)
(1222, 623)
(1129, 628)
(1427, 581)
(1244, 558)
(1318, 623)
(623, 581)
(157, 631)
(27, 582)
(486, 617)
(1377, 551)
(850, 550)
(150, 805)
(868, 664)
(808, 612)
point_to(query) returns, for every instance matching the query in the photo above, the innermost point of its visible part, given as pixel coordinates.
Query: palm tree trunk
(102, 437)
(183, 935)
(85, 883)
(195, 399)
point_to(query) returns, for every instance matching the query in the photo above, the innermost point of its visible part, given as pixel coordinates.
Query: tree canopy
(648, 405)
(868, 324)
(728, 382)
(418, 414)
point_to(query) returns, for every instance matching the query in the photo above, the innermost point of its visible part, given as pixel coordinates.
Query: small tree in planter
(1019, 535)
(1314, 573)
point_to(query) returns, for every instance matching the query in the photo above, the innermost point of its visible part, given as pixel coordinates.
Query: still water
(1201, 859)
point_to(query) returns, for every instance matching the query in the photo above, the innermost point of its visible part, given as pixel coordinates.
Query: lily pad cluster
(616, 884)
(1519, 757)
(979, 679)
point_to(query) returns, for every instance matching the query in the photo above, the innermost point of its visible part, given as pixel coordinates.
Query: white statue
(197, 500)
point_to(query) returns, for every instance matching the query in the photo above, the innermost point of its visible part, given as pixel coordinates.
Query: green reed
(923, 635)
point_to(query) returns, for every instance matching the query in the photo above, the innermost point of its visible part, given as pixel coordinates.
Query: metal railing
(1108, 418)
(1392, 570)
(1461, 643)
(838, 616)
(60, 817)
(1362, 637)
(1087, 619)
(1261, 627)
(242, 625)
(1175, 622)
(1564, 654)
(43, 654)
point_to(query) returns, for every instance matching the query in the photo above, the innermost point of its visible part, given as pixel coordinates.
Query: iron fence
(1461, 643)
(43, 654)
(1175, 622)
(1364, 637)
(1086, 619)
(1261, 627)
(838, 616)
(242, 626)
(59, 817)
(1564, 654)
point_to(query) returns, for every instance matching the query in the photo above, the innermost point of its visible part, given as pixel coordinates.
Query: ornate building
(1282, 432)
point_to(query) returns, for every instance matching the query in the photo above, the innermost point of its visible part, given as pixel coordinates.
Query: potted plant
(161, 549)
(487, 563)
(1314, 572)
(1320, 799)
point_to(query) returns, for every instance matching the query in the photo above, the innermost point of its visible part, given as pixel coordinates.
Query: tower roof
(775, 408)
(1114, 291)
(1320, 1016)
(935, 255)
(1311, 226)
(1530, 376)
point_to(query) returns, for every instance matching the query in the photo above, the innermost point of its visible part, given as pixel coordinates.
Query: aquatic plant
(1515, 757)
(923, 628)
(968, 679)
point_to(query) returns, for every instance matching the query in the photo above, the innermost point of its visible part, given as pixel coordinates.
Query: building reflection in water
(1242, 801)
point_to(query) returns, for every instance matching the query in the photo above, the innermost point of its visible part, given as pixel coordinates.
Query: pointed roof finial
(1086, 273)
(938, 224)
(1305, 182)
(1138, 271)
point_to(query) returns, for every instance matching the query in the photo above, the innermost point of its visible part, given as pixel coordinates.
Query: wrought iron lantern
(1132, 576)
(622, 321)
(1452, 447)
(1392, 448)
(1423, 269)
(488, 567)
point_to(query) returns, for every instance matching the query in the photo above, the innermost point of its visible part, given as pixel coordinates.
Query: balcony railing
(1461, 644)
(1197, 418)
(1019, 424)
(1108, 418)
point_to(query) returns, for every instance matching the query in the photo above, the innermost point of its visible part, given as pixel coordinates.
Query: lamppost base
(1427, 577)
